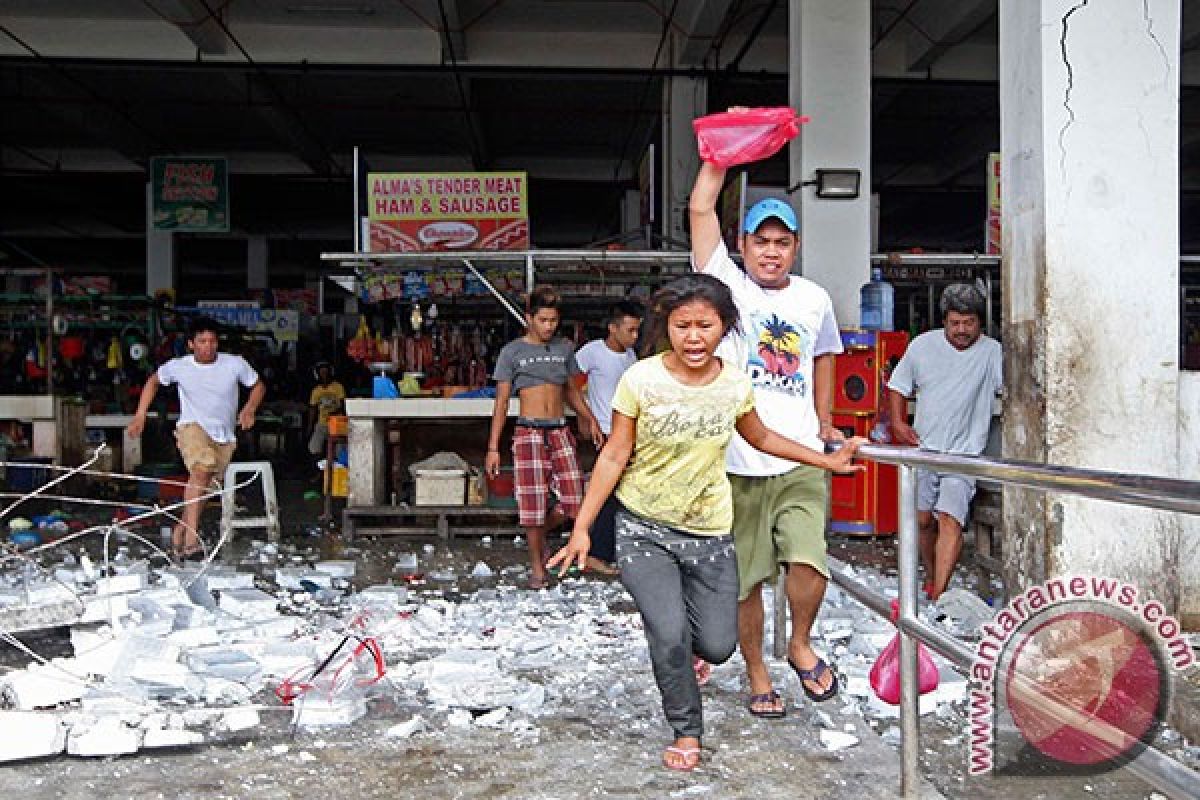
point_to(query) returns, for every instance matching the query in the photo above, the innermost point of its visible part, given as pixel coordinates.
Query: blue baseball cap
(771, 207)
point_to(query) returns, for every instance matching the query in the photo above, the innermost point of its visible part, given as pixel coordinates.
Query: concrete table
(367, 448)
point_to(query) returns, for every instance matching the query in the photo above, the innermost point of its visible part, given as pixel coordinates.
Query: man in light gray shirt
(955, 372)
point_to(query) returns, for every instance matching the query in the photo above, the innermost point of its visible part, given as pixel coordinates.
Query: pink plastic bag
(739, 137)
(885, 674)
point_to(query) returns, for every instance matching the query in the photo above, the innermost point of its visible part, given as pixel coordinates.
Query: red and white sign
(424, 211)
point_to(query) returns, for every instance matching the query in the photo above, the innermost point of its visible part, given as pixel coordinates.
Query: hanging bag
(885, 674)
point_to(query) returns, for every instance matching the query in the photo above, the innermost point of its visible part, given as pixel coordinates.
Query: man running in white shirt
(206, 431)
(604, 361)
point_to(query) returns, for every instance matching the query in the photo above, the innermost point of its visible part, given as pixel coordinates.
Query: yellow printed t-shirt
(677, 473)
(327, 399)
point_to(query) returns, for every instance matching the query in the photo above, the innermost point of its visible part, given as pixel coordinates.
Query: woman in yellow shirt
(673, 416)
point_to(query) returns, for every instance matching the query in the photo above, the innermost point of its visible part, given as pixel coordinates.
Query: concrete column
(684, 99)
(829, 79)
(160, 251)
(1189, 469)
(1089, 98)
(256, 263)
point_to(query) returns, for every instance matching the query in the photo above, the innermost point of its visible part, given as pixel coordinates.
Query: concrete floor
(600, 733)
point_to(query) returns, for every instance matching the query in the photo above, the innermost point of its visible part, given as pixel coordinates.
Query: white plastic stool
(229, 518)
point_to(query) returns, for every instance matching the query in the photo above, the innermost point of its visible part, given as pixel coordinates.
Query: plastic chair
(229, 518)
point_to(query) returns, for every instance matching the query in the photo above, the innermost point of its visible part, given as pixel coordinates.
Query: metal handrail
(1156, 768)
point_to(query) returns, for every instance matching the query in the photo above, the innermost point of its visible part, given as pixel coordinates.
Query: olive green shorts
(779, 519)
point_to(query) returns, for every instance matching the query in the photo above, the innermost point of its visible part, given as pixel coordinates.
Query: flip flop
(687, 753)
(767, 697)
(814, 675)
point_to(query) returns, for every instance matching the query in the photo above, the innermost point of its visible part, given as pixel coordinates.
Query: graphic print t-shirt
(327, 400)
(677, 473)
(783, 330)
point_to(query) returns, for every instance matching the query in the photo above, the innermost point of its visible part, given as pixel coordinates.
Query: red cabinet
(864, 504)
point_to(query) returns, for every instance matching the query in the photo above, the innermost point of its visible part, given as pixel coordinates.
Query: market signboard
(993, 215)
(427, 211)
(284, 325)
(190, 194)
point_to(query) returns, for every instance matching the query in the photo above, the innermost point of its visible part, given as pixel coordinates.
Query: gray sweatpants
(685, 587)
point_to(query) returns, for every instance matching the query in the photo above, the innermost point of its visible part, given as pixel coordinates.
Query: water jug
(876, 303)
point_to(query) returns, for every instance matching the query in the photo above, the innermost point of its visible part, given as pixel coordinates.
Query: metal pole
(910, 713)
(50, 336)
(529, 274)
(357, 221)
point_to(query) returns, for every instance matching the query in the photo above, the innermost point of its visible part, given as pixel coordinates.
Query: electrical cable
(646, 86)
(331, 164)
(477, 154)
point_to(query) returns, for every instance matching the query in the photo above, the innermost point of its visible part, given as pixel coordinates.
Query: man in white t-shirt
(955, 372)
(604, 361)
(786, 345)
(206, 432)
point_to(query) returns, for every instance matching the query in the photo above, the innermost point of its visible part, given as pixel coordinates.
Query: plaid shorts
(544, 460)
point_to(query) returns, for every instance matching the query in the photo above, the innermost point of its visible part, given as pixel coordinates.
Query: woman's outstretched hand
(573, 554)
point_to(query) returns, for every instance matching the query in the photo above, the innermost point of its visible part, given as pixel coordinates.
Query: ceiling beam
(267, 104)
(196, 21)
(700, 28)
(100, 121)
(454, 38)
(936, 27)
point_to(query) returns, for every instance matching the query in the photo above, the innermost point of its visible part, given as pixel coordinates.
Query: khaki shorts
(779, 519)
(200, 452)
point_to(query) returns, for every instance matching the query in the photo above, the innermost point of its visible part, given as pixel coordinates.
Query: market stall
(437, 321)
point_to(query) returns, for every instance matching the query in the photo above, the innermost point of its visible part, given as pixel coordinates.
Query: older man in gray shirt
(955, 372)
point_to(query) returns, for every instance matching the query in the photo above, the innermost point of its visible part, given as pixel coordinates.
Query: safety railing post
(909, 557)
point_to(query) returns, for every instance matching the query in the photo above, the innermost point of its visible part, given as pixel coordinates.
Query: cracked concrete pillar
(829, 79)
(1089, 114)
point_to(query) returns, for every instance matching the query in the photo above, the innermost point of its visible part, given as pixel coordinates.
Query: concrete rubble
(191, 657)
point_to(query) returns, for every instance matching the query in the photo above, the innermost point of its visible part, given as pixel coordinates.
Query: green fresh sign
(191, 194)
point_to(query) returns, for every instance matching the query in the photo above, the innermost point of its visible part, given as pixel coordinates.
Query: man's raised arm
(702, 213)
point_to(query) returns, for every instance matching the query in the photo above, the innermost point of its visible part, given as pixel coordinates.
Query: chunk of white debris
(238, 719)
(165, 737)
(248, 603)
(459, 718)
(837, 740)
(121, 584)
(406, 729)
(25, 734)
(492, 719)
(108, 737)
(315, 710)
(40, 686)
(482, 570)
(338, 569)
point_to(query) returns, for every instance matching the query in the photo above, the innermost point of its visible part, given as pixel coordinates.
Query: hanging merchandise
(114, 359)
(415, 318)
(745, 135)
(358, 347)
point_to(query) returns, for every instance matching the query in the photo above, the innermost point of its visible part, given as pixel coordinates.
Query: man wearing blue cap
(786, 345)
